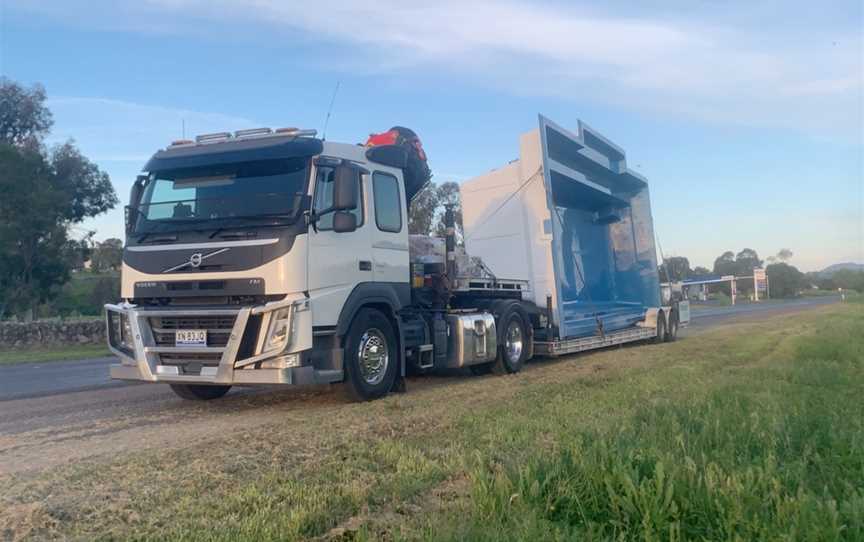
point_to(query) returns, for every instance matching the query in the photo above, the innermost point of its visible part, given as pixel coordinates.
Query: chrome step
(425, 359)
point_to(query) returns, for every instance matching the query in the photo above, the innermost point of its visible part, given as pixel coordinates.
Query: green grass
(746, 432)
(770, 452)
(60, 353)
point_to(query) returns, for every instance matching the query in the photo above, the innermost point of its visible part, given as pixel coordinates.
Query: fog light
(282, 362)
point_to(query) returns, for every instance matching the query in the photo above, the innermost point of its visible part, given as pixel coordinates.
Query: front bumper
(141, 337)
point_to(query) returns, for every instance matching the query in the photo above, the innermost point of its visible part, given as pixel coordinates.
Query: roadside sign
(760, 282)
(760, 279)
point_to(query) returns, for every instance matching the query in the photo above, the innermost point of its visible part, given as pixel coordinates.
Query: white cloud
(696, 67)
(707, 63)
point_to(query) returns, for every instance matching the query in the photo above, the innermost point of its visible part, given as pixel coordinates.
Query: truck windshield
(264, 192)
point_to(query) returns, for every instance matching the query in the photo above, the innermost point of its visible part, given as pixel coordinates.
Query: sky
(746, 117)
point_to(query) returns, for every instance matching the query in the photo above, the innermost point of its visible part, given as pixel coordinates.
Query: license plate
(190, 337)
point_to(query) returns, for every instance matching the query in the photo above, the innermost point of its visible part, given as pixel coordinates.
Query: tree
(746, 261)
(699, 271)
(79, 251)
(43, 193)
(24, 119)
(426, 215)
(725, 264)
(849, 279)
(675, 268)
(108, 255)
(784, 255)
(448, 194)
(785, 280)
(423, 209)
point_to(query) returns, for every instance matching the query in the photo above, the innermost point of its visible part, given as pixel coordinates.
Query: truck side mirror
(132, 211)
(137, 188)
(344, 222)
(345, 188)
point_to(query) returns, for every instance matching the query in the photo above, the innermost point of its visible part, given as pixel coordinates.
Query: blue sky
(745, 117)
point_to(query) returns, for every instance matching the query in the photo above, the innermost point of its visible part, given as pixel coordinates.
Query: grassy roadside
(725, 435)
(770, 450)
(64, 353)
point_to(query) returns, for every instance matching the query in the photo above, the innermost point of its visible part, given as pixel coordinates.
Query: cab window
(324, 197)
(388, 204)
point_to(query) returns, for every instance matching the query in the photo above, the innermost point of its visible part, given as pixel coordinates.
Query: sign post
(731, 279)
(760, 282)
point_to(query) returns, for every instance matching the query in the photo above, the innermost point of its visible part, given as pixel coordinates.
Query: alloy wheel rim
(373, 356)
(513, 341)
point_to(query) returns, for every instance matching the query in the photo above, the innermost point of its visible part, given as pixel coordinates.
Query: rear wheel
(371, 358)
(196, 392)
(661, 328)
(512, 344)
(672, 328)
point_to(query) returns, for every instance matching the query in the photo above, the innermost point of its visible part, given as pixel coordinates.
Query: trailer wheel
(512, 343)
(661, 328)
(195, 392)
(371, 357)
(672, 328)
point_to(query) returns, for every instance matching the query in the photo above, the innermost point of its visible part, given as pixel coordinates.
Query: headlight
(279, 331)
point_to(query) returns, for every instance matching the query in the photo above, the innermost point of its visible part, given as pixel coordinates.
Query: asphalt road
(28, 380)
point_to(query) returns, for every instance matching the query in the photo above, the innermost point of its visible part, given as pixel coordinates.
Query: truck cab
(249, 255)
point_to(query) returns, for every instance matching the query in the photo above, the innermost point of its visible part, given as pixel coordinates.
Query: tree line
(785, 279)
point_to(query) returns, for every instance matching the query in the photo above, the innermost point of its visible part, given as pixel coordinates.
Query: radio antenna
(330, 110)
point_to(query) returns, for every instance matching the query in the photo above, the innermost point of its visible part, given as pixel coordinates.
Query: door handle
(365, 265)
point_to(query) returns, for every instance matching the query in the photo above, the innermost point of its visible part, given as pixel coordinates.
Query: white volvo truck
(275, 257)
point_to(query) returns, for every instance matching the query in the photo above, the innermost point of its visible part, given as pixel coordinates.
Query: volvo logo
(195, 260)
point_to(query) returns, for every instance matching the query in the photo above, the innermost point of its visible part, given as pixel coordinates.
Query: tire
(672, 328)
(661, 329)
(370, 333)
(512, 343)
(195, 392)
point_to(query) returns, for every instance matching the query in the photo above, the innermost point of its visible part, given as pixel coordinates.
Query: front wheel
(371, 357)
(193, 392)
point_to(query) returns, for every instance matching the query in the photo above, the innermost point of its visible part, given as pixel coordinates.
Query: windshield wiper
(235, 235)
(163, 239)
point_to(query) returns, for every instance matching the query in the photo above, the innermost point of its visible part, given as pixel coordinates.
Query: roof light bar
(253, 132)
(297, 132)
(213, 138)
(182, 143)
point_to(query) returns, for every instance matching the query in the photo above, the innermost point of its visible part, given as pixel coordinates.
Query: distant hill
(831, 269)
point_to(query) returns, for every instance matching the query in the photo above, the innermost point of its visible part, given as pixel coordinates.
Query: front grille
(218, 328)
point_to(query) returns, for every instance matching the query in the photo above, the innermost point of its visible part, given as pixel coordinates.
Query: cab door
(337, 261)
(389, 228)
